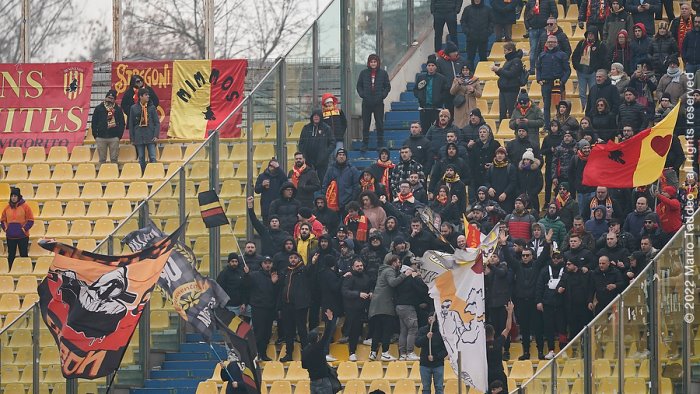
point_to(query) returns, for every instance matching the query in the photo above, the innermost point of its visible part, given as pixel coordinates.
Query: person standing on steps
(432, 355)
(17, 218)
(108, 127)
(432, 91)
(373, 86)
(144, 127)
(445, 12)
(313, 357)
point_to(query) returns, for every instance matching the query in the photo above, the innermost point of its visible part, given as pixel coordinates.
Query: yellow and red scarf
(561, 201)
(367, 185)
(387, 166)
(441, 200)
(362, 228)
(683, 28)
(536, 8)
(500, 164)
(408, 197)
(111, 122)
(332, 196)
(144, 115)
(523, 110)
(296, 173)
(603, 10)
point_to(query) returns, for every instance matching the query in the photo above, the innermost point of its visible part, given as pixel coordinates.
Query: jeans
(321, 386)
(584, 200)
(535, 35)
(408, 323)
(585, 83)
(547, 102)
(437, 374)
(141, 153)
(439, 21)
(294, 321)
(107, 143)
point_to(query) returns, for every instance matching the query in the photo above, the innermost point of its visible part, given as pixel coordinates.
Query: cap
(232, 256)
(111, 93)
(502, 150)
(583, 143)
(399, 240)
(431, 60)
(304, 212)
(267, 258)
(341, 150)
(342, 228)
(475, 112)
(556, 252)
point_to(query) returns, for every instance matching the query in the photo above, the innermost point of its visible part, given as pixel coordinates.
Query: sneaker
(373, 356)
(540, 355)
(330, 358)
(525, 356)
(343, 340)
(352, 357)
(387, 357)
(506, 356)
(412, 357)
(264, 357)
(402, 357)
(549, 355)
(367, 342)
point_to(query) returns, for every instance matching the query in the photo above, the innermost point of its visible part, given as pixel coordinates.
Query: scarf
(362, 228)
(373, 79)
(675, 76)
(386, 176)
(449, 180)
(560, 200)
(523, 110)
(536, 8)
(407, 198)
(691, 191)
(608, 205)
(441, 200)
(328, 112)
(586, 56)
(144, 115)
(136, 95)
(296, 173)
(603, 10)
(500, 164)
(621, 54)
(683, 28)
(111, 122)
(581, 156)
(614, 79)
(366, 185)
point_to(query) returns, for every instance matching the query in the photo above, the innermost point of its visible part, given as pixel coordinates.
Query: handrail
(644, 272)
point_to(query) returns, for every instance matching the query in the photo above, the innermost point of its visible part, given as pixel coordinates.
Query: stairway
(182, 371)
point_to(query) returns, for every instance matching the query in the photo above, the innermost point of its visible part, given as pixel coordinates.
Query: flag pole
(459, 372)
(235, 239)
(221, 361)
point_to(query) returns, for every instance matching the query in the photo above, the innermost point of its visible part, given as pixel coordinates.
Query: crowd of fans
(339, 238)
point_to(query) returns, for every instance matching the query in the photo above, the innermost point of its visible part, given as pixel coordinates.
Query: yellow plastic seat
(80, 154)
(85, 387)
(274, 370)
(601, 368)
(239, 152)
(40, 173)
(127, 153)
(54, 374)
(57, 229)
(296, 372)
(115, 191)
(490, 91)
(296, 130)
(15, 388)
(17, 173)
(62, 172)
(199, 171)
(347, 370)
(69, 191)
(80, 229)
(355, 387)
(160, 320)
(52, 210)
(573, 369)
(137, 191)
(405, 386)
(521, 370)
(92, 191)
(171, 153)
(4, 266)
(239, 229)
(88, 244)
(607, 385)
(154, 172)
(207, 387)
(372, 370)
(281, 387)
(26, 284)
(108, 172)
(85, 172)
(21, 266)
(196, 228)
(7, 284)
(201, 155)
(57, 154)
(103, 227)
(36, 251)
(380, 384)
(451, 387)
(396, 370)
(264, 152)
(635, 385)
(120, 209)
(130, 172)
(161, 192)
(75, 209)
(97, 209)
(12, 155)
(42, 266)
(167, 209)
(21, 338)
(237, 207)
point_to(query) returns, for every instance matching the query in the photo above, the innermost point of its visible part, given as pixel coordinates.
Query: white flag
(459, 297)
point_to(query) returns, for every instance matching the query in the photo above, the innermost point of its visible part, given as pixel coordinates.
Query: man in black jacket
(550, 303)
(552, 71)
(286, 207)
(328, 217)
(271, 236)
(574, 285)
(497, 283)
(579, 254)
(631, 112)
(419, 146)
(606, 283)
(603, 88)
(263, 294)
(250, 256)
(108, 127)
(316, 142)
(477, 22)
(357, 292)
(618, 256)
(584, 193)
(509, 79)
(373, 86)
(268, 185)
(304, 177)
(432, 355)
(411, 292)
(131, 97)
(430, 104)
(294, 303)
(445, 12)
(234, 280)
(312, 356)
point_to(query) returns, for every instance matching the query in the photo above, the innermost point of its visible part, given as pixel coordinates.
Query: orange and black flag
(212, 211)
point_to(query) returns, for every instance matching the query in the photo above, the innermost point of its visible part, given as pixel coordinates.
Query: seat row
(86, 172)
(84, 387)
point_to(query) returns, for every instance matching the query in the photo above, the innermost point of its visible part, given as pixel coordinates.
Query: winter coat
(535, 117)
(100, 127)
(437, 135)
(576, 287)
(561, 161)
(545, 295)
(599, 282)
(142, 135)
(17, 219)
(316, 142)
(329, 283)
(556, 225)
(497, 284)
(662, 48)
(348, 179)
(477, 21)
(441, 166)
(520, 225)
(504, 11)
(401, 172)
(669, 211)
(445, 6)
(448, 68)
(632, 114)
(539, 20)
(623, 55)
(437, 84)
(382, 302)
(526, 275)
(645, 17)
(530, 181)
(286, 208)
(306, 187)
(470, 132)
(434, 346)
(373, 259)
(267, 195)
(677, 90)
(640, 49)
(613, 24)
(460, 89)
(382, 86)
(607, 91)
(509, 74)
(262, 291)
(549, 143)
(130, 97)
(337, 122)
(553, 65)
(502, 180)
(235, 283)
(420, 148)
(422, 242)
(351, 288)
(605, 125)
(568, 212)
(597, 227)
(616, 254)
(595, 15)
(412, 291)
(598, 54)
(518, 146)
(270, 240)
(634, 222)
(576, 176)
(691, 47)
(294, 289)
(481, 154)
(562, 43)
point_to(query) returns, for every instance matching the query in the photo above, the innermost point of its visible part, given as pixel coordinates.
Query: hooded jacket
(545, 295)
(420, 149)
(382, 302)
(655, 233)
(316, 141)
(307, 185)
(597, 226)
(669, 211)
(497, 283)
(480, 154)
(130, 97)
(534, 116)
(661, 49)
(434, 346)
(509, 74)
(286, 208)
(263, 293)
(640, 46)
(615, 22)
(373, 94)
(566, 121)
(556, 225)
(632, 113)
(373, 258)
(294, 288)
(326, 216)
(520, 224)
(518, 146)
(622, 53)
(593, 12)
(17, 218)
(236, 284)
(597, 50)
(437, 135)
(529, 178)
(348, 180)
(576, 287)
(690, 52)
(604, 90)
(334, 118)
(604, 123)
(525, 274)
(477, 21)
(351, 288)
(270, 240)
(561, 160)
(269, 194)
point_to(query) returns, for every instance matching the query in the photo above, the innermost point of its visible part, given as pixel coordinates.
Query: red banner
(157, 75)
(44, 104)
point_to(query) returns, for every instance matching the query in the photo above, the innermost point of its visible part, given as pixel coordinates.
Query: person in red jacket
(669, 210)
(17, 218)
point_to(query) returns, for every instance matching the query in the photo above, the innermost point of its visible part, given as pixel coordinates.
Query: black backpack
(524, 75)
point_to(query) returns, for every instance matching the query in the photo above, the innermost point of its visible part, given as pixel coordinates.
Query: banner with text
(44, 104)
(195, 95)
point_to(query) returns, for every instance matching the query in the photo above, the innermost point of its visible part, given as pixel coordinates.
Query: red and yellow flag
(636, 162)
(472, 233)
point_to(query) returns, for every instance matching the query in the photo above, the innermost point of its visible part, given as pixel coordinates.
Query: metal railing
(642, 341)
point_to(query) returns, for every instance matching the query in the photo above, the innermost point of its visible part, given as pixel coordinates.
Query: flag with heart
(637, 161)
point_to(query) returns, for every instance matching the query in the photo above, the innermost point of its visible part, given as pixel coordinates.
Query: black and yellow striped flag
(212, 211)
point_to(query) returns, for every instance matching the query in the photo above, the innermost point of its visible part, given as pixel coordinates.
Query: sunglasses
(551, 24)
(527, 255)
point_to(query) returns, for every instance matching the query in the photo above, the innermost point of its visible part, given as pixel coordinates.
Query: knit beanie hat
(431, 60)
(529, 155)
